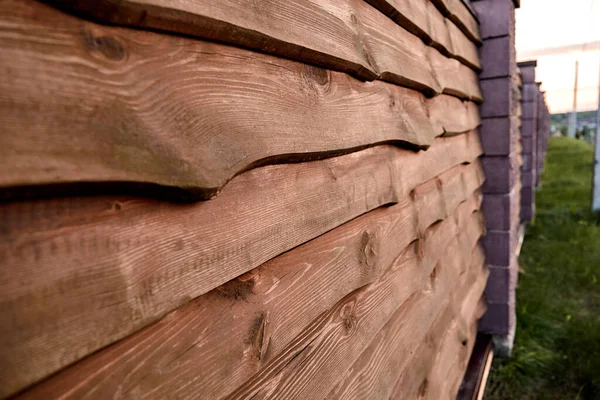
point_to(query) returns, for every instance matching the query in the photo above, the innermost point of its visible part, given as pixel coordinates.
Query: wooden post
(573, 115)
(596, 183)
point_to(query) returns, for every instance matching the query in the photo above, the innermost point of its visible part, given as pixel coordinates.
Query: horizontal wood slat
(350, 36)
(415, 380)
(154, 114)
(457, 12)
(452, 116)
(391, 352)
(418, 17)
(106, 266)
(455, 78)
(264, 310)
(87, 103)
(465, 51)
(318, 358)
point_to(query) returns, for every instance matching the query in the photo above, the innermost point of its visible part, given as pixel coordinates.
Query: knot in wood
(108, 46)
(367, 254)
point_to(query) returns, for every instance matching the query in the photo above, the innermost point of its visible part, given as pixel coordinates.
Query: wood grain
(440, 35)
(415, 379)
(349, 36)
(315, 366)
(463, 49)
(457, 12)
(451, 116)
(454, 351)
(263, 310)
(89, 271)
(392, 350)
(454, 78)
(88, 103)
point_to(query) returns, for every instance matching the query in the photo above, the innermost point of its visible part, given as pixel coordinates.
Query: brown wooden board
(415, 379)
(88, 271)
(451, 116)
(88, 103)
(458, 13)
(375, 372)
(412, 15)
(453, 354)
(455, 79)
(263, 310)
(440, 36)
(465, 50)
(349, 36)
(313, 367)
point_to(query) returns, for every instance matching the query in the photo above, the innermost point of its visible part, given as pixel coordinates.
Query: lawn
(557, 347)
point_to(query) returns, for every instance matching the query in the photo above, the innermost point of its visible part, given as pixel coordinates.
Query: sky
(557, 33)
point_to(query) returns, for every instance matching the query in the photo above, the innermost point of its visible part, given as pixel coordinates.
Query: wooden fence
(262, 199)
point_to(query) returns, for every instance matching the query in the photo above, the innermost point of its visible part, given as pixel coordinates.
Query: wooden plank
(374, 374)
(457, 12)
(171, 112)
(422, 18)
(415, 378)
(463, 49)
(106, 266)
(349, 36)
(412, 15)
(454, 353)
(440, 36)
(451, 116)
(276, 300)
(455, 79)
(316, 364)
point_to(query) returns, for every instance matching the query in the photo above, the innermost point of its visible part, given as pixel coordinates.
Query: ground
(557, 346)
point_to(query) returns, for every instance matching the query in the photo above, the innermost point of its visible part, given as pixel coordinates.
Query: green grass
(557, 346)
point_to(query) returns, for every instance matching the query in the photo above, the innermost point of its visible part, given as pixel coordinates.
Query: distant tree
(585, 131)
(563, 129)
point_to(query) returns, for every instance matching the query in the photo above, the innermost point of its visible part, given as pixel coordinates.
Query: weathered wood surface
(349, 36)
(263, 310)
(454, 78)
(415, 380)
(376, 371)
(316, 362)
(453, 354)
(90, 103)
(440, 36)
(412, 15)
(451, 116)
(124, 133)
(457, 12)
(464, 50)
(89, 271)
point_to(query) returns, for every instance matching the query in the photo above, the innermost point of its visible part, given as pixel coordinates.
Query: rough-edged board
(455, 79)
(464, 50)
(375, 372)
(439, 31)
(458, 13)
(451, 116)
(261, 311)
(314, 364)
(89, 271)
(349, 36)
(87, 103)
(414, 381)
(412, 15)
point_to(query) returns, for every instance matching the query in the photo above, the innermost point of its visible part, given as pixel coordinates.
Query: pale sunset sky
(555, 32)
